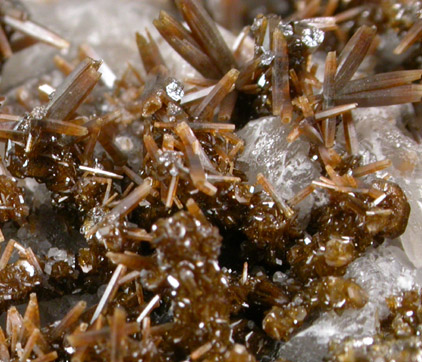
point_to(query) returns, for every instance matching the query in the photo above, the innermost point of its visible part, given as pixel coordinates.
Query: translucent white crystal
(312, 37)
(286, 165)
(36, 194)
(57, 254)
(124, 142)
(175, 90)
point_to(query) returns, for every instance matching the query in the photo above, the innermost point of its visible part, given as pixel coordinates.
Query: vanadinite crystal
(216, 180)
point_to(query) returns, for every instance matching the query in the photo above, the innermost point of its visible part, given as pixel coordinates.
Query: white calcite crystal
(286, 165)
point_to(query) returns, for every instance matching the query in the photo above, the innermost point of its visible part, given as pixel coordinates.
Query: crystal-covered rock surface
(381, 272)
(380, 137)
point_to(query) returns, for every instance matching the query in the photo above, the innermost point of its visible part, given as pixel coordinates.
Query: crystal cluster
(216, 197)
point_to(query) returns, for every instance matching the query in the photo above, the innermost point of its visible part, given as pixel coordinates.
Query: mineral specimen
(194, 193)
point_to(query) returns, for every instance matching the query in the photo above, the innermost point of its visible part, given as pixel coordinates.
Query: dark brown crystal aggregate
(178, 248)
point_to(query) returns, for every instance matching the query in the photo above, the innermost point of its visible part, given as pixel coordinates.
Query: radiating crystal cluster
(171, 190)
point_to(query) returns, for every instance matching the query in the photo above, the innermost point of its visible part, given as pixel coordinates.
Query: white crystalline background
(109, 26)
(286, 165)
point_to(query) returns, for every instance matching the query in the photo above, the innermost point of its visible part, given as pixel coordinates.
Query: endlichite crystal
(187, 251)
